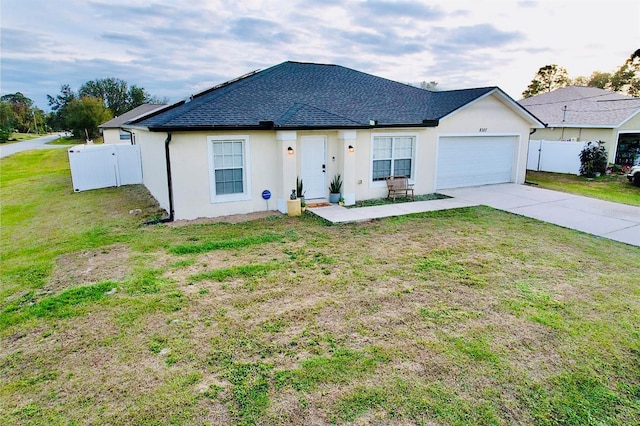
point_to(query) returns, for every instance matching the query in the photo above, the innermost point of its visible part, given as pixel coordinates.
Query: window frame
(246, 169)
(414, 149)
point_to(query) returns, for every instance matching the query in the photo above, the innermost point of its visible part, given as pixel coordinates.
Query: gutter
(269, 125)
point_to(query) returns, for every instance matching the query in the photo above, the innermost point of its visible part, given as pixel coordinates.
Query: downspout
(130, 135)
(167, 158)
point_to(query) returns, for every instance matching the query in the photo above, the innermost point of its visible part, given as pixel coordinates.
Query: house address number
(483, 130)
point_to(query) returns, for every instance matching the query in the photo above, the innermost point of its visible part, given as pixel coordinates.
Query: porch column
(287, 167)
(347, 138)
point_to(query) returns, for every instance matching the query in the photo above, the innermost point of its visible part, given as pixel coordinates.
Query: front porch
(339, 214)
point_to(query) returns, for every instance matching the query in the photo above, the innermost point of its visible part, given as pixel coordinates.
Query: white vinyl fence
(555, 156)
(102, 166)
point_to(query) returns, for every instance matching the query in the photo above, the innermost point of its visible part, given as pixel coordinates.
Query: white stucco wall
(111, 136)
(273, 169)
(490, 116)
(154, 172)
(190, 171)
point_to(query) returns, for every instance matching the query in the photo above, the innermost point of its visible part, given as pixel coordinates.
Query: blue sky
(174, 48)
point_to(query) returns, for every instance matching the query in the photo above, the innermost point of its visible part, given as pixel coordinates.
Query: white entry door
(313, 166)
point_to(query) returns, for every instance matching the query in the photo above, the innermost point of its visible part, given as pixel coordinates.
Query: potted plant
(334, 189)
(341, 201)
(303, 204)
(299, 186)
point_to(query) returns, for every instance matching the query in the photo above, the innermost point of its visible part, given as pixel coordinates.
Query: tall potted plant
(299, 188)
(335, 186)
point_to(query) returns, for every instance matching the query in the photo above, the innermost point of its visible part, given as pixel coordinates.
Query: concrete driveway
(615, 221)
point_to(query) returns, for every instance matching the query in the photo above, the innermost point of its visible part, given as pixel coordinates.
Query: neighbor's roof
(137, 112)
(295, 95)
(586, 107)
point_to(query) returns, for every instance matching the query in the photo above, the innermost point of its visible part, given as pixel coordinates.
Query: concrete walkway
(338, 214)
(615, 221)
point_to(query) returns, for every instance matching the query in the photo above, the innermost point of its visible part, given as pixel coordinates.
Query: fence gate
(102, 166)
(555, 156)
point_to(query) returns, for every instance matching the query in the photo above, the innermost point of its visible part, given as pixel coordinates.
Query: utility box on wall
(102, 166)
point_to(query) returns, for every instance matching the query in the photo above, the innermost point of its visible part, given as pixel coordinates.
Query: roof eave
(581, 126)
(270, 126)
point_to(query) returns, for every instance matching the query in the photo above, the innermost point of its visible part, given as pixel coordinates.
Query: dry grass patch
(111, 263)
(469, 316)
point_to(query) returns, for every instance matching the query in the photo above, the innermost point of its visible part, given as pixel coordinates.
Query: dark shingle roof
(304, 95)
(138, 111)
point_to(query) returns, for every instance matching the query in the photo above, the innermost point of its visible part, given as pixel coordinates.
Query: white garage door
(477, 160)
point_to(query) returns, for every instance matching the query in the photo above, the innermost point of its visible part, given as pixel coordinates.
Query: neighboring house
(112, 131)
(587, 114)
(216, 153)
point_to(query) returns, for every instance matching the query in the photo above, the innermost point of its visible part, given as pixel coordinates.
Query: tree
(597, 79)
(431, 86)
(548, 78)
(114, 94)
(56, 120)
(85, 114)
(117, 95)
(627, 77)
(21, 111)
(6, 121)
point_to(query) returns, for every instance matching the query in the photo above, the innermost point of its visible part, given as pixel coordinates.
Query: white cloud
(173, 48)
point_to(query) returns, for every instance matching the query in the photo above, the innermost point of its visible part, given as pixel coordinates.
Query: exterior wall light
(351, 148)
(290, 151)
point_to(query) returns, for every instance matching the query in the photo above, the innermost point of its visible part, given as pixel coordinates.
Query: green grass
(465, 316)
(70, 140)
(64, 305)
(242, 271)
(384, 201)
(614, 188)
(233, 243)
(19, 137)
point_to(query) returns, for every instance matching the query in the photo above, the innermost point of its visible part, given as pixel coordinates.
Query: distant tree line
(17, 113)
(94, 103)
(626, 79)
(80, 112)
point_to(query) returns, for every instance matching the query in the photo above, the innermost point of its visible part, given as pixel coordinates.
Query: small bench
(399, 185)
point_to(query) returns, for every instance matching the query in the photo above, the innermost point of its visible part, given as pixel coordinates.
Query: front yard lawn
(609, 187)
(467, 316)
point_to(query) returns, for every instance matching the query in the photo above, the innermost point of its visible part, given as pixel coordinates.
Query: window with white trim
(392, 156)
(229, 168)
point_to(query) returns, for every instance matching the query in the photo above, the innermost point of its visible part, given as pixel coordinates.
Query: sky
(174, 48)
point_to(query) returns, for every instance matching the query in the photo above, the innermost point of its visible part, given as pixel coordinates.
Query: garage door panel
(469, 161)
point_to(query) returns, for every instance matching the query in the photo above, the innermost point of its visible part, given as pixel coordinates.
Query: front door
(313, 166)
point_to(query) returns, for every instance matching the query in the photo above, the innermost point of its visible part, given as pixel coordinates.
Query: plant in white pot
(335, 186)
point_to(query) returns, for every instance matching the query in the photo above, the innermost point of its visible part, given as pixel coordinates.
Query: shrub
(593, 159)
(5, 134)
